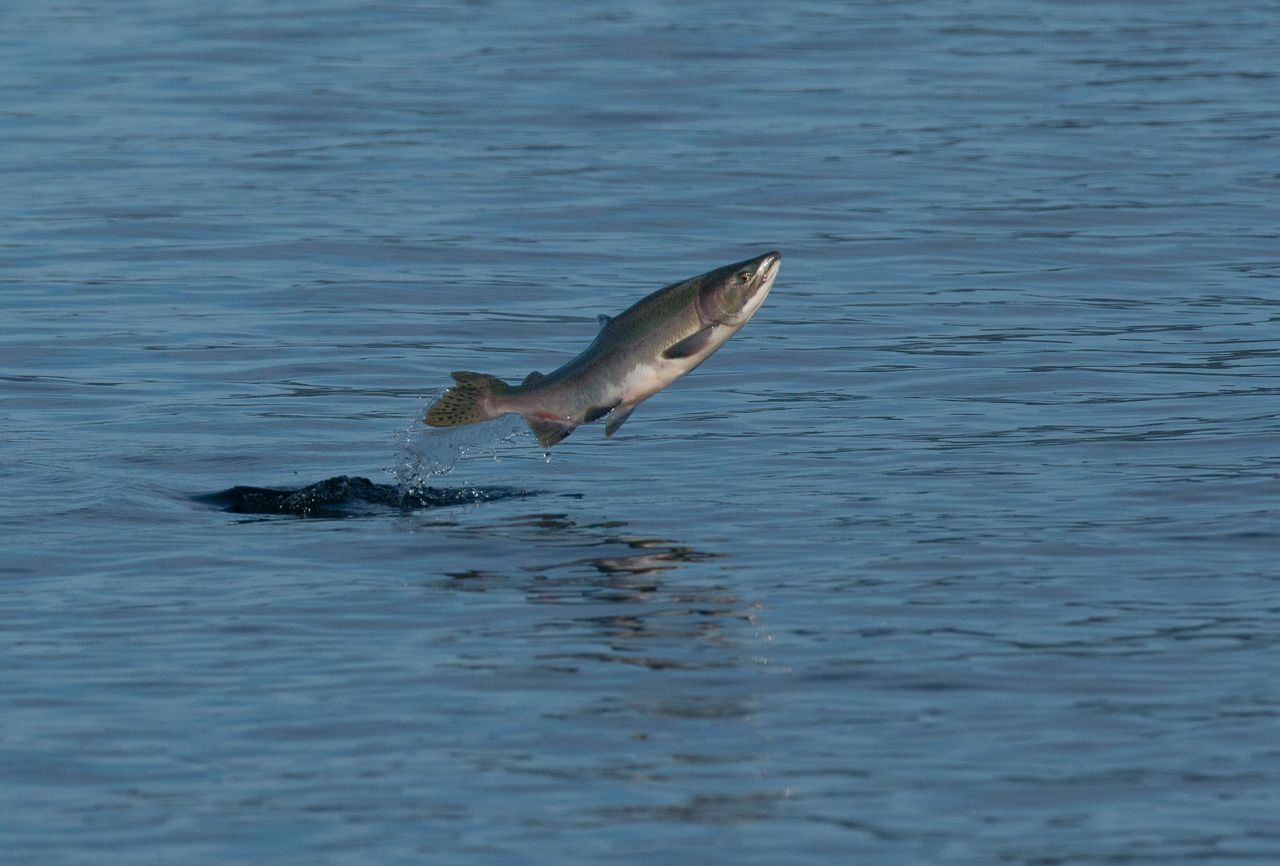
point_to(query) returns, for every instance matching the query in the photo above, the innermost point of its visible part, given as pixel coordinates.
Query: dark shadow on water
(347, 496)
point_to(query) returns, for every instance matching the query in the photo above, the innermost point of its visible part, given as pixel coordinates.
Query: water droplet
(427, 453)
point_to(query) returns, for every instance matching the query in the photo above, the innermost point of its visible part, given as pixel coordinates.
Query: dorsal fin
(533, 377)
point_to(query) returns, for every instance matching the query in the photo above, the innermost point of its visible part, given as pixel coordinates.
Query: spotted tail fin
(467, 402)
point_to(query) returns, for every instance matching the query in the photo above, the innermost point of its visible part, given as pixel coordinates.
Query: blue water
(962, 552)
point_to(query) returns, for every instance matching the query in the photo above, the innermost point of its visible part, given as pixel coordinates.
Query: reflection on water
(636, 657)
(657, 555)
(617, 600)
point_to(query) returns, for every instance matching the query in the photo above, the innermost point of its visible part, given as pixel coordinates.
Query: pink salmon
(636, 354)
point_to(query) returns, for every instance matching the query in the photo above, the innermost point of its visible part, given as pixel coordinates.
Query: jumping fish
(636, 354)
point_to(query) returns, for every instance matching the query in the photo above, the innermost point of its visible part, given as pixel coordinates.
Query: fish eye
(744, 276)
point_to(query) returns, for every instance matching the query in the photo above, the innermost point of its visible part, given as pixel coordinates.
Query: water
(963, 551)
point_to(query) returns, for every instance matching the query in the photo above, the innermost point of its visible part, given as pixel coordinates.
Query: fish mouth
(768, 267)
(767, 270)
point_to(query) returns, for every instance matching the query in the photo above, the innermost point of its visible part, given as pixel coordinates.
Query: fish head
(732, 294)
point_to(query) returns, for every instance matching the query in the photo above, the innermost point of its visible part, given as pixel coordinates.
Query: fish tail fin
(468, 402)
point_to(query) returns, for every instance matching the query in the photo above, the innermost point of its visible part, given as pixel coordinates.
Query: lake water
(964, 551)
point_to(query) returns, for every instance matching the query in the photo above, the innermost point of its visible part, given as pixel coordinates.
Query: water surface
(963, 551)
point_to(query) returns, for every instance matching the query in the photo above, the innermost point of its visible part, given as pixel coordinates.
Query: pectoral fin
(618, 416)
(691, 345)
(549, 430)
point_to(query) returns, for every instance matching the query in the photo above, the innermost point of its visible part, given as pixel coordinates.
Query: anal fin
(549, 430)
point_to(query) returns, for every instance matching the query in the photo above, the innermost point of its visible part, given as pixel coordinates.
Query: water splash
(427, 453)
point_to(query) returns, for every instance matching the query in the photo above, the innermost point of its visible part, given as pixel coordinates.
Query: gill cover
(727, 291)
